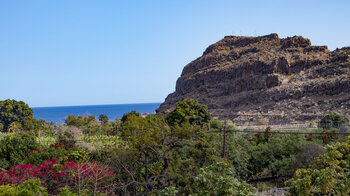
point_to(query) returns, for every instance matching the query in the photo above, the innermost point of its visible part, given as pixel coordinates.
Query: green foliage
(219, 125)
(263, 137)
(78, 156)
(129, 115)
(154, 153)
(219, 179)
(312, 124)
(169, 191)
(42, 125)
(332, 120)
(307, 155)
(37, 156)
(178, 153)
(66, 192)
(46, 141)
(102, 141)
(199, 150)
(81, 121)
(273, 157)
(328, 176)
(14, 127)
(189, 110)
(277, 155)
(103, 118)
(283, 149)
(144, 154)
(27, 188)
(14, 149)
(239, 153)
(15, 111)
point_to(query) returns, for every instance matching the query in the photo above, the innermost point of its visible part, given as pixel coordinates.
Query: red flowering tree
(54, 176)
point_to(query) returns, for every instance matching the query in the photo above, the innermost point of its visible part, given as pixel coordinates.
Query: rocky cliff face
(247, 78)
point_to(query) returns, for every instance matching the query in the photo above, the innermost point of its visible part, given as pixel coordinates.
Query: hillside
(245, 79)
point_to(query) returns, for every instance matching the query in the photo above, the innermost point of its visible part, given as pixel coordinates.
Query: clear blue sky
(66, 52)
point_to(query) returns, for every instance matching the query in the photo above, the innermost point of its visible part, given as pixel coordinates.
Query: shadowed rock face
(245, 78)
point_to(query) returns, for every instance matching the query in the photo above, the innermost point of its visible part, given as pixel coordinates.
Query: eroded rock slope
(247, 78)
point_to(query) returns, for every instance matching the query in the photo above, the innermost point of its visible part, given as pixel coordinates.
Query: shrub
(276, 155)
(64, 132)
(14, 149)
(27, 188)
(80, 121)
(46, 141)
(169, 191)
(31, 188)
(42, 125)
(219, 179)
(103, 118)
(102, 141)
(332, 120)
(59, 151)
(126, 116)
(307, 156)
(328, 176)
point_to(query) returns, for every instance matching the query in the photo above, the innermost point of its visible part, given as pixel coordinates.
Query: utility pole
(224, 142)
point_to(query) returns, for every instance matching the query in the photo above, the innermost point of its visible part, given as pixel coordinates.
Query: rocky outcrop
(246, 78)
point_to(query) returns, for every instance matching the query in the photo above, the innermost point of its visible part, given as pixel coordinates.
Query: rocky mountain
(245, 79)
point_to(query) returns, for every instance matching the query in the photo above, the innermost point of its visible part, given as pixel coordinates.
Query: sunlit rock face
(245, 78)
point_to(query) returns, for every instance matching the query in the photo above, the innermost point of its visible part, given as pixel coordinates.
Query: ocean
(59, 113)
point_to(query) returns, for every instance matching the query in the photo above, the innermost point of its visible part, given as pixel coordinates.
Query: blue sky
(55, 53)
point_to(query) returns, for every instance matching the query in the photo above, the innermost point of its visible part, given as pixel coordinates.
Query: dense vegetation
(176, 154)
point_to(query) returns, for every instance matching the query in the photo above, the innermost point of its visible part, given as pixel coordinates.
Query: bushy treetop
(15, 111)
(191, 111)
(333, 120)
(329, 176)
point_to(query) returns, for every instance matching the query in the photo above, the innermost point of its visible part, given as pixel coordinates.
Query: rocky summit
(245, 79)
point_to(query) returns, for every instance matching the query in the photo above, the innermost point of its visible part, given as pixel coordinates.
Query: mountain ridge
(247, 78)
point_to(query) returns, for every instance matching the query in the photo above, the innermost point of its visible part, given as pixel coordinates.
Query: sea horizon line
(96, 105)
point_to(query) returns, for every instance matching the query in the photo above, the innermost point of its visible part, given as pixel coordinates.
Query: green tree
(189, 110)
(274, 157)
(103, 118)
(332, 120)
(328, 176)
(80, 120)
(88, 124)
(42, 125)
(128, 115)
(218, 179)
(155, 154)
(16, 111)
(198, 150)
(144, 161)
(14, 149)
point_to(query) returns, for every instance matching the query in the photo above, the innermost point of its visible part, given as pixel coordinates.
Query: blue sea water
(59, 113)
